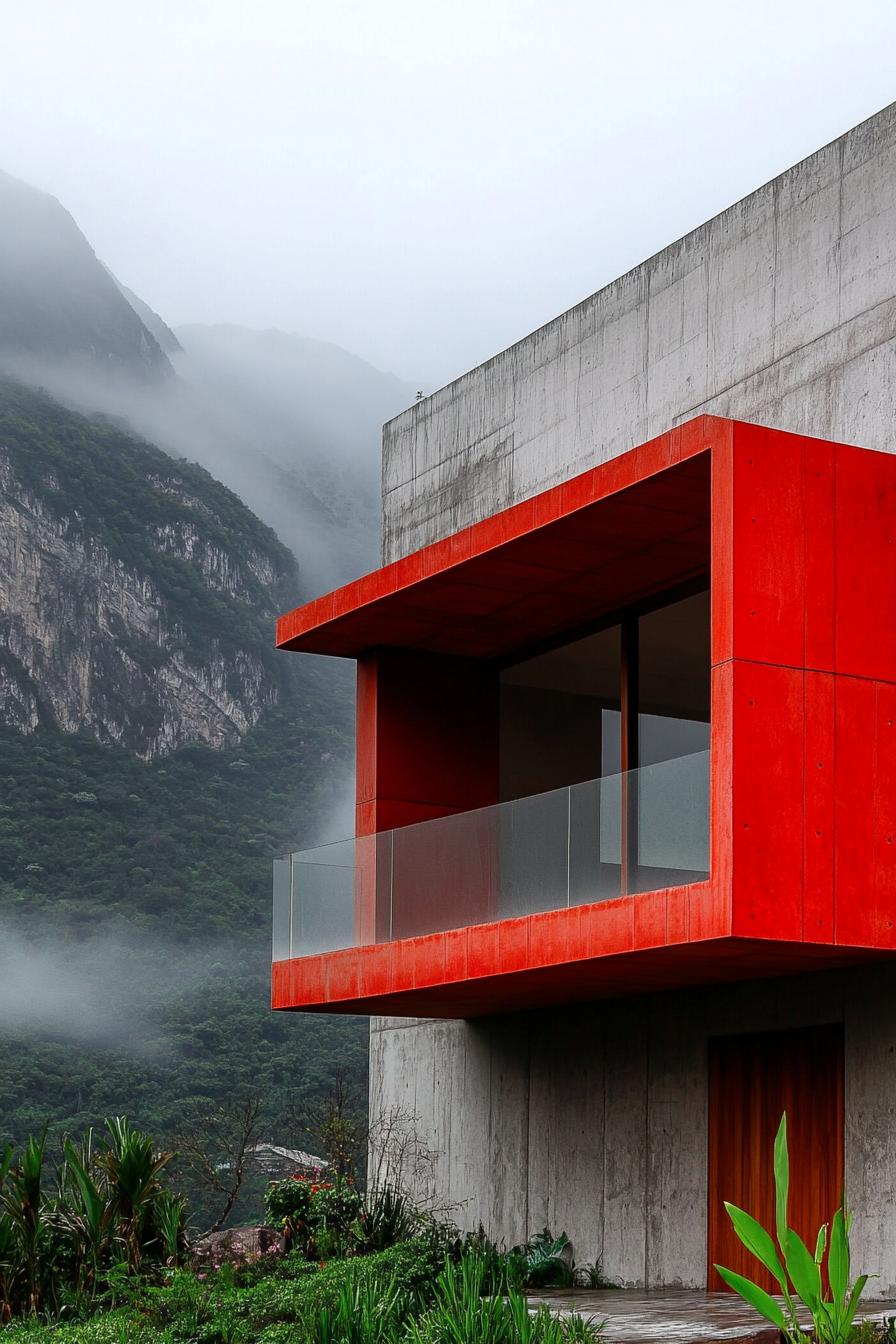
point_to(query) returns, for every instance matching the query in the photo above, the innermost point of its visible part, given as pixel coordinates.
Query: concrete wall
(593, 1120)
(782, 310)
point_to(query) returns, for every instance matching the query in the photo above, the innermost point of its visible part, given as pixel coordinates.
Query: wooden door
(752, 1080)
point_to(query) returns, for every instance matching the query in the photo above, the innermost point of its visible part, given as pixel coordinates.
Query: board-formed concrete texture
(593, 1120)
(781, 310)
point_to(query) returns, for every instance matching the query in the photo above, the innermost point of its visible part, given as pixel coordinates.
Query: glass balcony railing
(639, 831)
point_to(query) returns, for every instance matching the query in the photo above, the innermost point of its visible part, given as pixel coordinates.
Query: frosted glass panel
(534, 856)
(323, 898)
(282, 914)
(673, 812)
(546, 852)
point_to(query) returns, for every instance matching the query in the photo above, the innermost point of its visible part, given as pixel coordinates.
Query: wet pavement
(675, 1316)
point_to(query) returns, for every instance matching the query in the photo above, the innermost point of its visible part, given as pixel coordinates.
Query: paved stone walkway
(674, 1317)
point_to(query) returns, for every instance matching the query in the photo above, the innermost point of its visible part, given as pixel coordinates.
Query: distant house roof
(262, 1150)
(271, 1157)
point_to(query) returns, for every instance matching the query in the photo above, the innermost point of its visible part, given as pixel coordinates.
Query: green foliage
(321, 1219)
(365, 1313)
(109, 1217)
(409, 1294)
(385, 1219)
(463, 1312)
(546, 1261)
(869, 1332)
(796, 1270)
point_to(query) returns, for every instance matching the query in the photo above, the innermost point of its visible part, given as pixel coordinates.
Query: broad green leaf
(826, 1325)
(92, 1200)
(838, 1259)
(821, 1242)
(757, 1297)
(852, 1305)
(757, 1241)
(782, 1180)
(828, 1315)
(803, 1271)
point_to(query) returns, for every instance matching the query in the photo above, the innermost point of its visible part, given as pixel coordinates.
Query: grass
(409, 1294)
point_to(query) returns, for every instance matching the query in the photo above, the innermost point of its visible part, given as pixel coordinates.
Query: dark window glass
(673, 680)
(561, 724)
(560, 716)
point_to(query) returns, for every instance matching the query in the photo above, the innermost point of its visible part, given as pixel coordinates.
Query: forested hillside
(155, 753)
(155, 750)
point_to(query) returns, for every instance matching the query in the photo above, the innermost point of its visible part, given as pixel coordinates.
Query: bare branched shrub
(337, 1128)
(215, 1144)
(400, 1159)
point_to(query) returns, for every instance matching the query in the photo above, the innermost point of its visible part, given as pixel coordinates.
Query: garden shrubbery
(322, 1219)
(94, 1253)
(79, 1237)
(404, 1295)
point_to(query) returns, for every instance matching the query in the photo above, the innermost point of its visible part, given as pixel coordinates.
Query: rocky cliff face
(137, 595)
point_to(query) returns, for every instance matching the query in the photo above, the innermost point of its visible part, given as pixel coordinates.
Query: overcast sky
(421, 182)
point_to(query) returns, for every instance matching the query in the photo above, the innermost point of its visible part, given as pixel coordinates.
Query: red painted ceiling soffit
(591, 545)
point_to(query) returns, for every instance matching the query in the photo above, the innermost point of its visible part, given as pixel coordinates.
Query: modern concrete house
(623, 886)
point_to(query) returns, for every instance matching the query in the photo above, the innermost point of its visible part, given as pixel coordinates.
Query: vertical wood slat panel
(752, 1080)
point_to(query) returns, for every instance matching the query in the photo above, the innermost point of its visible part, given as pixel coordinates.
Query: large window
(673, 680)
(560, 716)
(627, 706)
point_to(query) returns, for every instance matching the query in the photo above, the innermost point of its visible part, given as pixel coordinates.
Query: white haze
(293, 426)
(102, 990)
(420, 184)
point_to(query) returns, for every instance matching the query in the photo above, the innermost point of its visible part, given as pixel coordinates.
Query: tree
(215, 1145)
(337, 1126)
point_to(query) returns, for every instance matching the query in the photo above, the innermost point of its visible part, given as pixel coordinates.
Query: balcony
(643, 830)
(717, 587)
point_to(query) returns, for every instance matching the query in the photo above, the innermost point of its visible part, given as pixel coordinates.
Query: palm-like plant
(84, 1213)
(8, 1259)
(797, 1271)
(132, 1169)
(547, 1260)
(386, 1217)
(108, 1214)
(170, 1219)
(22, 1206)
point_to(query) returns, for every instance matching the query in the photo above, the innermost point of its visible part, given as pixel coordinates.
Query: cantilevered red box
(797, 537)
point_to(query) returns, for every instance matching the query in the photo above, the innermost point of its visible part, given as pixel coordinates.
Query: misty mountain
(291, 424)
(137, 595)
(151, 320)
(156, 750)
(57, 301)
